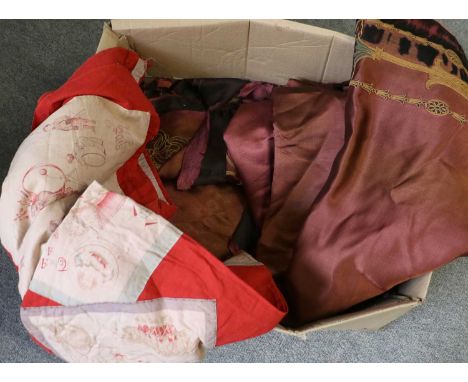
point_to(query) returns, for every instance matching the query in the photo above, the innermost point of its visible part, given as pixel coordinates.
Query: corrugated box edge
(372, 318)
(321, 55)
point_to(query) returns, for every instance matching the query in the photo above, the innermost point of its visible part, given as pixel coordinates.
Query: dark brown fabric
(191, 151)
(171, 169)
(209, 214)
(214, 167)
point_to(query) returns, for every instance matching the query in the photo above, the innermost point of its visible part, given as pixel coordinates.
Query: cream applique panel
(88, 138)
(161, 330)
(104, 250)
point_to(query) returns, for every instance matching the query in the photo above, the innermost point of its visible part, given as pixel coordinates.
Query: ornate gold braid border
(433, 106)
(436, 74)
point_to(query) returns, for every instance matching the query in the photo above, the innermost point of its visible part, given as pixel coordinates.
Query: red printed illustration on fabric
(53, 184)
(95, 265)
(162, 337)
(71, 337)
(88, 151)
(123, 138)
(100, 209)
(145, 215)
(67, 123)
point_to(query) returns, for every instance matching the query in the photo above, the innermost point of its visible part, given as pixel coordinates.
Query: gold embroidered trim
(433, 106)
(164, 146)
(437, 75)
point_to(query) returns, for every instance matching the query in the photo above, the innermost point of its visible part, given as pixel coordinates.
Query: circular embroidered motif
(437, 107)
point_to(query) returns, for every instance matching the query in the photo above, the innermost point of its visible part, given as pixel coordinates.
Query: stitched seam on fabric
(144, 302)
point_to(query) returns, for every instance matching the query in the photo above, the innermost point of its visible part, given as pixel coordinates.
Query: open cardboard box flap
(263, 50)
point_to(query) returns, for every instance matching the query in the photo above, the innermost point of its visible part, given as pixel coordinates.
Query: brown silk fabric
(209, 214)
(397, 206)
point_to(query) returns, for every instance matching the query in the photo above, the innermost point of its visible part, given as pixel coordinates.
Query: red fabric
(259, 278)
(33, 299)
(247, 300)
(135, 184)
(245, 309)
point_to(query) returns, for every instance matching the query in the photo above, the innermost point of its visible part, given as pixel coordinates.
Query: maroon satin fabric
(397, 206)
(256, 91)
(308, 133)
(193, 157)
(249, 139)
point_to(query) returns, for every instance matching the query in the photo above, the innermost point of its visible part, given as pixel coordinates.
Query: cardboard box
(263, 50)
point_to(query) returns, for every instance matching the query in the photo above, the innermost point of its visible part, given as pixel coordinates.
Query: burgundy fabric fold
(249, 139)
(256, 91)
(193, 157)
(396, 207)
(308, 133)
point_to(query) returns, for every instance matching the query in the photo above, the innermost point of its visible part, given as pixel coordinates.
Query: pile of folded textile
(153, 218)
